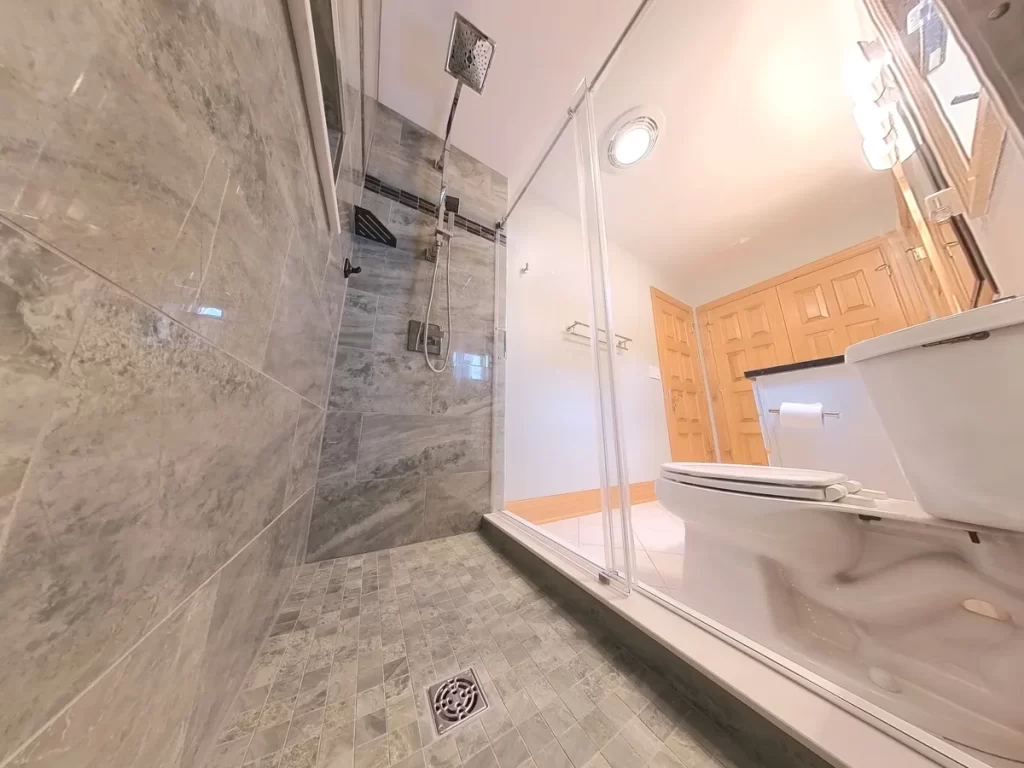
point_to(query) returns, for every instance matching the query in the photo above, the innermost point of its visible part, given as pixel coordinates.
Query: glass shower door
(620, 558)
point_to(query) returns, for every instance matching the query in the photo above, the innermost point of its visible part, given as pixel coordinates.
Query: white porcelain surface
(874, 605)
(952, 412)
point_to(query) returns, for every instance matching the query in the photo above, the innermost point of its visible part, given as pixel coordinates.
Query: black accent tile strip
(375, 185)
(821, 362)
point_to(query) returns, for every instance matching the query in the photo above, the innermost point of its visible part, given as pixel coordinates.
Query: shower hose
(430, 305)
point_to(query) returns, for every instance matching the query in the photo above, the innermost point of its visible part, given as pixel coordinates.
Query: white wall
(550, 410)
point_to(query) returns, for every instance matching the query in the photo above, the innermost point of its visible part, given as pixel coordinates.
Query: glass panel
(748, 230)
(326, 35)
(557, 458)
(605, 345)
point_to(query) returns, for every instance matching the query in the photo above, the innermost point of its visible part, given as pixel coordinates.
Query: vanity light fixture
(631, 138)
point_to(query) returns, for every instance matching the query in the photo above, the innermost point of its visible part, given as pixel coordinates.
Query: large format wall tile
(309, 429)
(163, 458)
(300, 338)
(391, 446)
(43, 304)
(341, 443)
(380, 382)
(125, 153)
(162, 704)
(455, 503)
(351, 516)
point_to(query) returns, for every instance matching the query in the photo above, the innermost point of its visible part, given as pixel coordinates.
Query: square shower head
(469, 54)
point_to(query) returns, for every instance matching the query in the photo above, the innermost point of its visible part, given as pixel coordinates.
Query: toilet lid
(751, 473)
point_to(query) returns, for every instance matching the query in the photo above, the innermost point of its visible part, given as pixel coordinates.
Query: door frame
(702, 381)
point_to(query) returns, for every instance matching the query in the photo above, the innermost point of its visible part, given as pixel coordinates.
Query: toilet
(916, 606)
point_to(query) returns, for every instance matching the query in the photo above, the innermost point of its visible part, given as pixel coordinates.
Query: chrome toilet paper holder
(830, 414)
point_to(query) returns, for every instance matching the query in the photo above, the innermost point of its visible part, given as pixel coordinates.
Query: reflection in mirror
(793, 196)
(325, 38)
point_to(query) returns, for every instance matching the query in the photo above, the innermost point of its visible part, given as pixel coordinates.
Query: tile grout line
(151, 307)
(42, 729)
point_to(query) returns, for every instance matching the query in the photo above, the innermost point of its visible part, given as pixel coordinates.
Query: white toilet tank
(950, 393)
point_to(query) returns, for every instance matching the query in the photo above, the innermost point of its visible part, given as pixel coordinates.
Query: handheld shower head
(469, 54)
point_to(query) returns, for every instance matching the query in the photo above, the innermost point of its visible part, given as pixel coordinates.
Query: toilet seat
(755, 480)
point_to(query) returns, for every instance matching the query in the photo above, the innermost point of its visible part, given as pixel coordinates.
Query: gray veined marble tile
(378, 205)
(300, 338)
(466, 387)
(305, 452)
(380, 382)
(357, 320)
(335, 287)
(163, 458)
(351, 517)
(340, 444)
(391, 446)
(235, 304)
(413, 230)
(455, 503)
(163, 703)
(391, 331)
(391, 273)
(43, 303)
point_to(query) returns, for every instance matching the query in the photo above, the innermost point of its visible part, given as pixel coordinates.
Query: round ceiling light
(632, 137)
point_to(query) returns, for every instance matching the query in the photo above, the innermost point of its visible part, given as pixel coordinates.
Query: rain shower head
(469, 54)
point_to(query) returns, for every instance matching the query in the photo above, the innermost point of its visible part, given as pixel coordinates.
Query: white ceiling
(759, 133)
(543, 48)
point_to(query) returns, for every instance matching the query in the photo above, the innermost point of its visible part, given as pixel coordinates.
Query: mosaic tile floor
(341, 681)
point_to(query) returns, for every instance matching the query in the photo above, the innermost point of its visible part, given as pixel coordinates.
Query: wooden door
(840, 304)
(682, 383)
(744, 334)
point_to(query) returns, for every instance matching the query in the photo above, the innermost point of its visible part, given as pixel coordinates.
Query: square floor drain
(455, 700)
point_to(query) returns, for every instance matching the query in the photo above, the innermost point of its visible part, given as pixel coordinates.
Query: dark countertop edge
(821, 362)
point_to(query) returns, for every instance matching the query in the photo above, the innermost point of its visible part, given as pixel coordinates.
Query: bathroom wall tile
(391, 331)
(390, 446)
(244, 275)
(162, 704)
(335, 286)
(300, 338)
(43, 304)
(455, 503)
(351, 517)
(378, 205)
(163, 458)
(466, 387)
(391, 273)
(358, 319)
(140, 167)
(341, 442)
(309, 429)
(413, 229)
(380, 382)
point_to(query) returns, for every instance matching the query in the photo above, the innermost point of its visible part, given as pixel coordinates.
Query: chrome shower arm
(443, 160)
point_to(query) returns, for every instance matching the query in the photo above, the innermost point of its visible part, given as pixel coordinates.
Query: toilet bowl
(915, 606)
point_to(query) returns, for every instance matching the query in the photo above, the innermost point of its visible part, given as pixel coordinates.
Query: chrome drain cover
(455, 700)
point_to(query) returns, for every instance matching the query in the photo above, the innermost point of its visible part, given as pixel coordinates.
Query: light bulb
(632, 145)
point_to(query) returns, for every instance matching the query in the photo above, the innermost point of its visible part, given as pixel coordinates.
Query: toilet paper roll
(800, 415)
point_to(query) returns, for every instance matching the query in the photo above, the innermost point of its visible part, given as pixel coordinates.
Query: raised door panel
(840, 304)
(745, 334)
